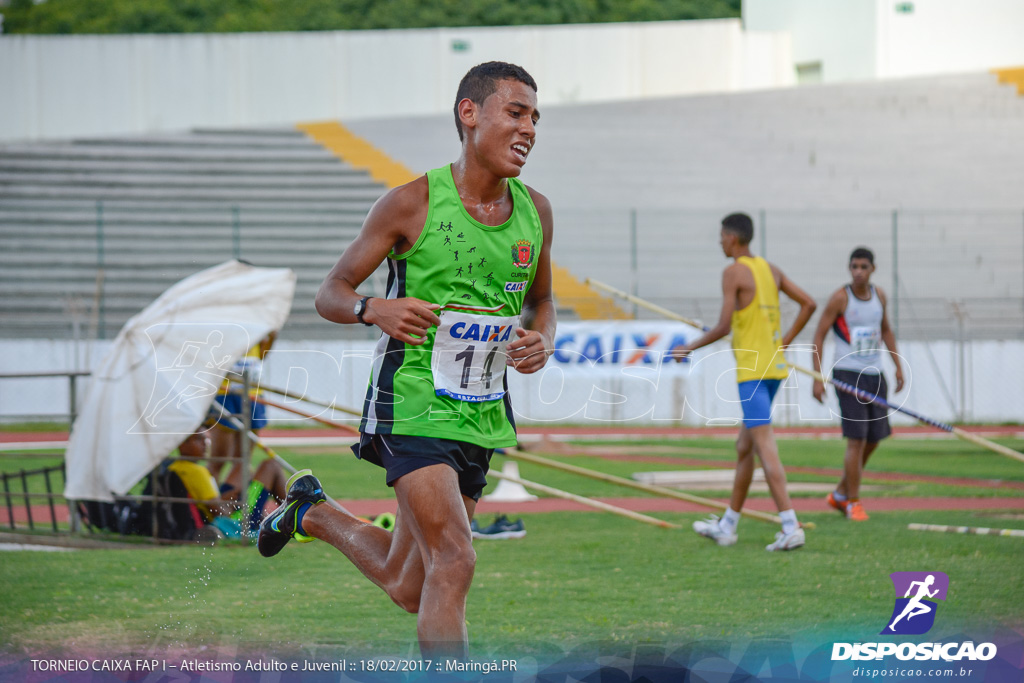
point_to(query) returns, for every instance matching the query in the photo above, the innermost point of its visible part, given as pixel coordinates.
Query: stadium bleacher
(821, 168)
(91, 231)
(925, 171)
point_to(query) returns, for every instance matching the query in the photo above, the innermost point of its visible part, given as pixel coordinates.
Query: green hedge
(225, 16)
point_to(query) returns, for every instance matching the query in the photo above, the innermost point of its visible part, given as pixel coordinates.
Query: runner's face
(506, 127)
(726, 240)
(860, 271)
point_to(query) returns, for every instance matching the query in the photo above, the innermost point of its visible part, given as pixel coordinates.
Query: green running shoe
(281, 525)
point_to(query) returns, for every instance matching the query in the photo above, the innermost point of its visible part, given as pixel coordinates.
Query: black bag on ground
(176, 521)
(98, 515)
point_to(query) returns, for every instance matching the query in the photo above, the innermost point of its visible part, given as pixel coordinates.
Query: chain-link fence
(948, 274)
(82, 269)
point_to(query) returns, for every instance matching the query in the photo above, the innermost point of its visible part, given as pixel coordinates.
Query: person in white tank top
(856, 314)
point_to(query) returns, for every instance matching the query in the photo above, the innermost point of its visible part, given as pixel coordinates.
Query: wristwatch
(360, 309)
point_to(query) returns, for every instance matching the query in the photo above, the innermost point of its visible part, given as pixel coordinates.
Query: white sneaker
(709, 528)
(787, 541)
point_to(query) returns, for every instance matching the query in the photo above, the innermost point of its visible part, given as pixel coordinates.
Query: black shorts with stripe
(400, 454)
(863, 419)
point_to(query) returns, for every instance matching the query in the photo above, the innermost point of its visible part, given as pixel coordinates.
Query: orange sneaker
(855, 512)
(832, 502)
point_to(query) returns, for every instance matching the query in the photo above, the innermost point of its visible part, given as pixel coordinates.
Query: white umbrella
(156, 385)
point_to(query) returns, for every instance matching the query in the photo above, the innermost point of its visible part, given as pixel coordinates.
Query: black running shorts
(400, 455)
(863, 419)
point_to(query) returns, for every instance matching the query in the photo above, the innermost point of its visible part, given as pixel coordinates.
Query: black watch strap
(362, 310)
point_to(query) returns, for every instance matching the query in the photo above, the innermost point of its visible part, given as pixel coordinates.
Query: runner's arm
(536, 342)
(807, 306)
(889, 337)
(396, 219)
(833, 309)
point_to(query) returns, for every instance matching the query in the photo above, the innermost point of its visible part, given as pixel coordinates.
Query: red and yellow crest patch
(522, 254)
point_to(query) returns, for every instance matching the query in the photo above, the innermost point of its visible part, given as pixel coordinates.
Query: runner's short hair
(740, 225)
(481, 81)
(863, 252)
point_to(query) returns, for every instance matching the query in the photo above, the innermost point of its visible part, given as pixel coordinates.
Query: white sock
(789, 523)
(840, 498)
(730, 520)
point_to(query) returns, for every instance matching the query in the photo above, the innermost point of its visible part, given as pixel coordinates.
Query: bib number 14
(468, 359)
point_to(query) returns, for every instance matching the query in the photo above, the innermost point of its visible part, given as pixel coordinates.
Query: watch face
(359, 307)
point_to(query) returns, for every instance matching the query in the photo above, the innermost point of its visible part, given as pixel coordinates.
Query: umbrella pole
(315, 418)
(245, 454)
(237, 424)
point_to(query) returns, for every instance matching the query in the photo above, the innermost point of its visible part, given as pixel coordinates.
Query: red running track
(915, 431)
(367, 508)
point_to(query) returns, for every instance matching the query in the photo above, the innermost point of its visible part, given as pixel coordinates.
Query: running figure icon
(915, 607)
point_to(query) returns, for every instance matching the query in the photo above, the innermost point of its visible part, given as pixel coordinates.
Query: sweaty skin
(426, 564)
(858, 451)
(738, 291)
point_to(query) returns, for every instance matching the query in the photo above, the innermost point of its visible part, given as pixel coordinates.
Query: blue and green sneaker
(501, 529)
(284, 523)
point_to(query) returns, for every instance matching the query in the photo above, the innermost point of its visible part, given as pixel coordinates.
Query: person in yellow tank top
(750, 310)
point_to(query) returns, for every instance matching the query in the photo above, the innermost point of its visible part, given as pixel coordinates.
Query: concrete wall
(838, 33)
(67, 86)
(602, 372)
(949, 36)
(864, 39)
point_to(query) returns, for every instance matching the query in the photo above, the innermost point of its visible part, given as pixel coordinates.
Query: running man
(856, 314)
(750, 310)
(437, 405)
(915, 607)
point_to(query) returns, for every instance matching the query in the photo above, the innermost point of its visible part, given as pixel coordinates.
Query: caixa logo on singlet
(478, 332)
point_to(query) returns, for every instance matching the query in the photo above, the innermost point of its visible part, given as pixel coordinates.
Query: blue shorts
(232, 404)
(756, 398)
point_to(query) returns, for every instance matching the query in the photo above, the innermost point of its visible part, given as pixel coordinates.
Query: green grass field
(575, 578)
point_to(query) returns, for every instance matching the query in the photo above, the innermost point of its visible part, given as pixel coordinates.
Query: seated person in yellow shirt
(213, 501)
(198, 481)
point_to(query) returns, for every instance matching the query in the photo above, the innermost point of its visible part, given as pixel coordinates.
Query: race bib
(468, 359)
(864, 341)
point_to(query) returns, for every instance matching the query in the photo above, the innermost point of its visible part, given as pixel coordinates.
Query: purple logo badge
(916, 593)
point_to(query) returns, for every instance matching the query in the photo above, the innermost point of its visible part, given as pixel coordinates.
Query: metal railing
(155, 498)
(947, 274)
(72, 376)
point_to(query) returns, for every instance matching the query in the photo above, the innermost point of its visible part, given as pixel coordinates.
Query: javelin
(842, 386)
(315, 418)
(648, 488)
(237, 424)
(978, 530)
(583, 500)
(539, 487)
(332, 406)
(865, 396)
